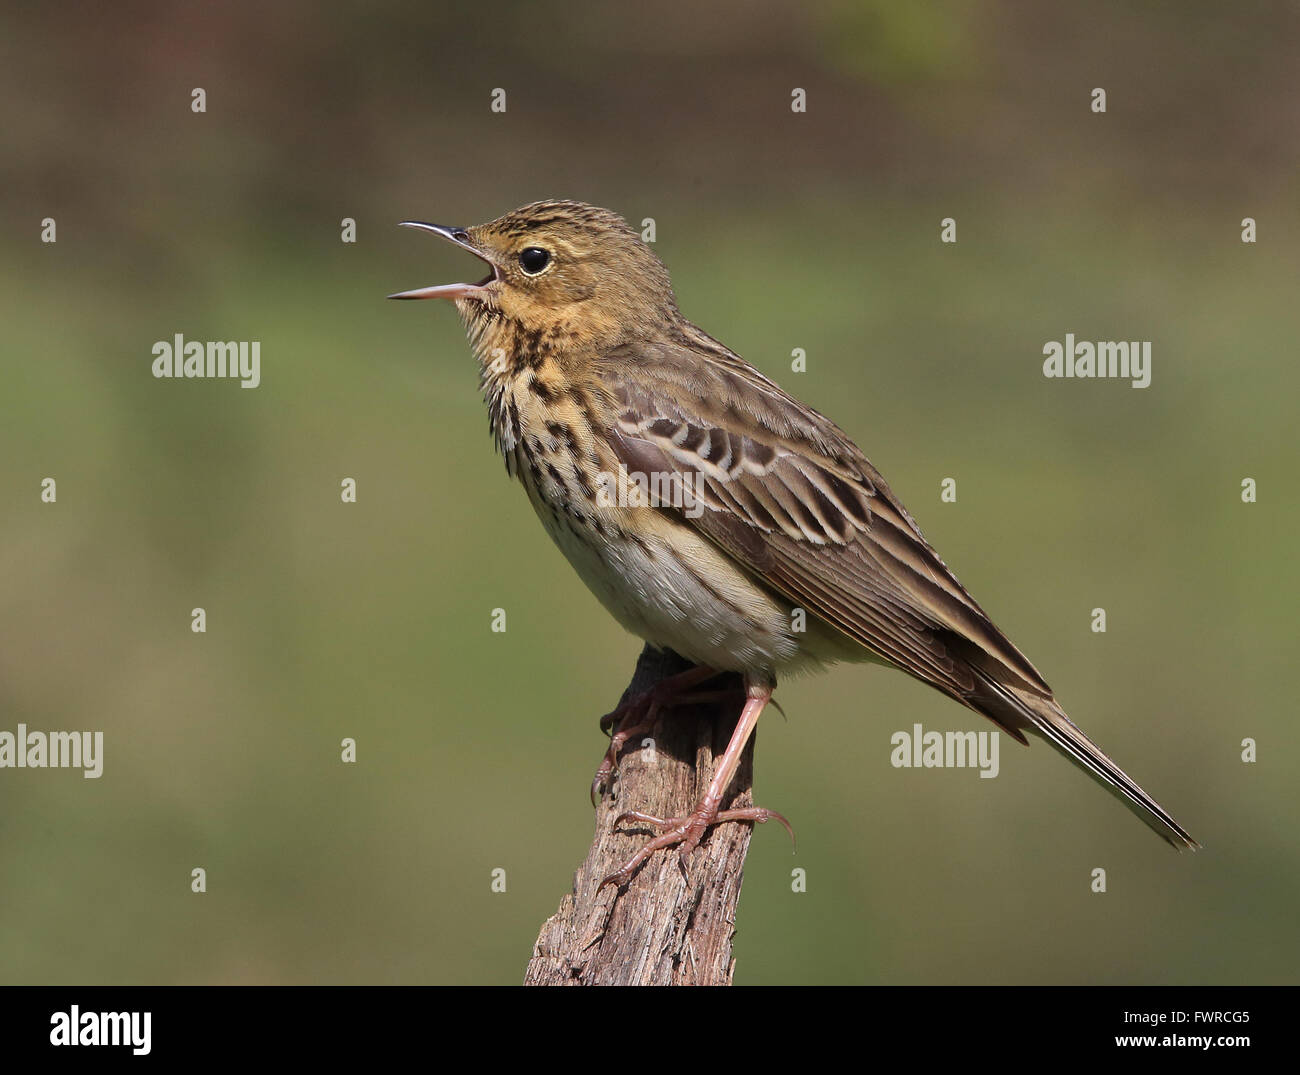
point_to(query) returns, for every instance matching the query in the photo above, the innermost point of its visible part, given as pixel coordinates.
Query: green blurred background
(782, 230)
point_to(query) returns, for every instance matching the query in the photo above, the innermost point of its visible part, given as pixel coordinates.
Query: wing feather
(790, 497)
(794, 501)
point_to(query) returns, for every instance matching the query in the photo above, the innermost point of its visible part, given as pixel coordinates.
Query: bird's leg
(666, 690)
(689, 831)
(638, 715)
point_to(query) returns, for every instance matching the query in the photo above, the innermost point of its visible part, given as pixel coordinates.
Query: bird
(709, 511)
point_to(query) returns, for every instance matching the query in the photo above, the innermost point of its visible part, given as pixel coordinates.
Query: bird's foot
(639, 714)
(687, 831)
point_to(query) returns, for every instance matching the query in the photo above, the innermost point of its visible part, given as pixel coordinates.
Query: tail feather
(1019, 711)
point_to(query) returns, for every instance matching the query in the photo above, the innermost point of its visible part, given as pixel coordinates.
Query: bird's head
(572, 272)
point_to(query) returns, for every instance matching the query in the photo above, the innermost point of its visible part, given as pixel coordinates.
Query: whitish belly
(674, 588)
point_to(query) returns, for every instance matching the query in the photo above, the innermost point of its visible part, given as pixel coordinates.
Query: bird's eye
(534, 259)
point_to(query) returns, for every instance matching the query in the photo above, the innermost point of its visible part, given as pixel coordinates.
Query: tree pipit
(711, 512)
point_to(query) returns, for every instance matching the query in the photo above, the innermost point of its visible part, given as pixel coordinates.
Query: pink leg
(638, 715)
(689, 831)
(663, 691)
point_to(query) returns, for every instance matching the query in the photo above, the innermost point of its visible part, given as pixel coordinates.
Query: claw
(639, 714)
(645, 819)
(689, 831)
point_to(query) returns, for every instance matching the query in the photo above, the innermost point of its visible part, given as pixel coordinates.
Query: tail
(1017, 710)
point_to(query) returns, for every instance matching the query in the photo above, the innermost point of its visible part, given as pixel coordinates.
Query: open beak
(461, 238)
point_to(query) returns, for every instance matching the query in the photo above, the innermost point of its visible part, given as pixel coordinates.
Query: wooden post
(673, 923)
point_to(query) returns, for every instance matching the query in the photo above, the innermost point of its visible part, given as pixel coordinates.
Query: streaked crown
(565, 266)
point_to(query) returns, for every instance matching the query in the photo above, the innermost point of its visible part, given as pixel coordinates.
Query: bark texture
(673, 923)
